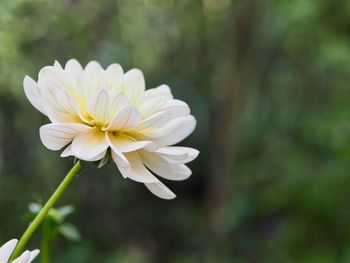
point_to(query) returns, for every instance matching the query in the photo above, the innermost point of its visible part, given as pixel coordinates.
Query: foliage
(268, 82)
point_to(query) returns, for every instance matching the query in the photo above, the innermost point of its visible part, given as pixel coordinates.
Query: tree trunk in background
(225, 126)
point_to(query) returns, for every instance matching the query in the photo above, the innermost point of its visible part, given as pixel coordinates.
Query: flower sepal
(104, 161)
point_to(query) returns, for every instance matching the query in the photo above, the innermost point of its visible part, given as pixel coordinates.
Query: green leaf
(66, 210)
(104, 161)
(69, 231)
(34, 207)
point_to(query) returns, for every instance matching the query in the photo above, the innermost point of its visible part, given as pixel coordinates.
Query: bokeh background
(268, 81)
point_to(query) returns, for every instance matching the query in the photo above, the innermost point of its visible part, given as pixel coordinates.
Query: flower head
(7, 249)
(94, 110)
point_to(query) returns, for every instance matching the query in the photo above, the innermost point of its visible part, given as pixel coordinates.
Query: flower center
(96, 123)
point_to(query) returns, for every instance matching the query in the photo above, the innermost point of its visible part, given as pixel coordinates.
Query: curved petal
(172, 153)
(133, 84)
(151, 106)
(137, 171)
(173, 132)
(57, 135)
(98, 107)
(69, 105)
(57, 64)
(67, 152)
(160, 190)
(54, 73)
(154, 121)
(91, 80)
(57, 75)
(33, 94)
(114, 75)
(161, 167)
(117, 156)
(116, 103)
(57, 105)
(176, 154)
(92, 71)
(127, 118)
(7, 249)
(176, 108)
(125, 144)
(153, 100)
(24, 258)
(33, 255)
(74, 67)
(66, 102)
(104, 107)
(90, 146)
(174, 136)
(161, 91)
(120, 160)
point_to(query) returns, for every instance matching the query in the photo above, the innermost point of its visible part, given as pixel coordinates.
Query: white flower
(93, 110)
(7, 249)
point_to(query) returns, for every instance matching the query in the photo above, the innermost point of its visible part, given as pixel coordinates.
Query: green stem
(43, 212)
(45, 241)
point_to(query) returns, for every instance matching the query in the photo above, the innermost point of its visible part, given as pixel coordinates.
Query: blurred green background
(268, 81)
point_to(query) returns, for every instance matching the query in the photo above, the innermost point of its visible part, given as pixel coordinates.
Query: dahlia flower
(7, 249)
(95, 111)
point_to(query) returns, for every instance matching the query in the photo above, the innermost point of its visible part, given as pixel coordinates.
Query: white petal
(104, 107)
(154, 121)
(116, 103)
(66, 101)
(114, 71)
(54, 108)
(120, 160)
(176, 108)
(161, 167)
(172, 153)
(153, 100)
(7, 249)
(176, 154)
(74, 67)
(64, 79)
(90, 146)
(127, 118)
(117, 156)
(97, 157)
(93, 67)
(33, 255)
(24, 258)
(92, 73)
(54, 73)
(125, 144)
(160, 190)
(161, 91)
(67, 152)
(70, 106)
(98, 106)
(137, 172)
(114, 75)
(92, 79)
(57, 64)
(133, 84)
(175, 131)
(56, 135)
(32, 91)
(151, 106)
